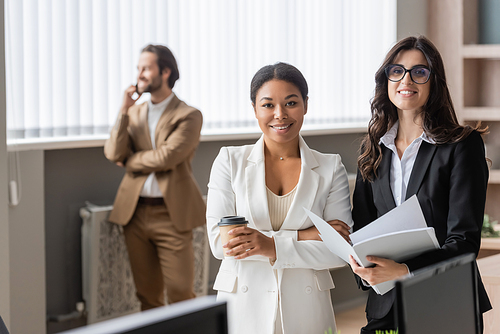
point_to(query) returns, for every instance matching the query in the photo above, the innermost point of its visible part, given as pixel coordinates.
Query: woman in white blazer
(276, 277)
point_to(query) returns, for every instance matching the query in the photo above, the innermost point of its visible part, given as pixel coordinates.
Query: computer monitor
(3, 328)
(194, 316)
(441, 298)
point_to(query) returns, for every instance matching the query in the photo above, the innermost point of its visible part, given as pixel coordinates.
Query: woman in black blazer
(415, 145)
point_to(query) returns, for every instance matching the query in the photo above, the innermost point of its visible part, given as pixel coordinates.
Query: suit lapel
(307, 189)
(422, 163)
(255, 179)
(143, 118)
(167, 115)
(384, 198)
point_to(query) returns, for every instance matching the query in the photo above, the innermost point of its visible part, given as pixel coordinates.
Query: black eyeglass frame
(389, 67)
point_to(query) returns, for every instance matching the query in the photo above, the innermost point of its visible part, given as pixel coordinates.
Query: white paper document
(400, 234)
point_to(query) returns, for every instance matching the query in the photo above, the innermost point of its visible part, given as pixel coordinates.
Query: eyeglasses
(418, 74)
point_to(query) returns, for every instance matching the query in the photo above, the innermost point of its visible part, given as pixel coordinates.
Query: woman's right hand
(312, 233)
(248, 242)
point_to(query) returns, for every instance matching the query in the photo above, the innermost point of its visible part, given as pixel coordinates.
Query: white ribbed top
(279, 206)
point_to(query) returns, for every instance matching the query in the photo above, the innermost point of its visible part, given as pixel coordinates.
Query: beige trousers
(160, 257)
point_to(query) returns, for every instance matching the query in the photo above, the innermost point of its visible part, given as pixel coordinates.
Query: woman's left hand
(248, 242)
(384, 270)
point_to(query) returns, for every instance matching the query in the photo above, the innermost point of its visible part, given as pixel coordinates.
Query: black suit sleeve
(364, 210)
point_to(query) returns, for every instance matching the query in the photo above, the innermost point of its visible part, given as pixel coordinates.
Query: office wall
(412, 18)
(27, 247)
(72, 177)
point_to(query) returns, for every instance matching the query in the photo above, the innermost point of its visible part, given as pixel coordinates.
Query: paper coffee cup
(226, 224)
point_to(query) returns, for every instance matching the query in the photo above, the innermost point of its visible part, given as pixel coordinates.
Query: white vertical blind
(68, 62)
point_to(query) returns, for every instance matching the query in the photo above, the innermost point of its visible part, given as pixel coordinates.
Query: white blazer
(299, 281)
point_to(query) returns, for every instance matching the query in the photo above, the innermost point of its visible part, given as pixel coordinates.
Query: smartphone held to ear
(136, 95)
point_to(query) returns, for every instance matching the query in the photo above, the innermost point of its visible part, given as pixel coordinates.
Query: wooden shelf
(481, 51)
(473, 73)
(494, 176)
(480, 113)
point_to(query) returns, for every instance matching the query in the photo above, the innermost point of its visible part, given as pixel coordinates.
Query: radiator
(108, 286)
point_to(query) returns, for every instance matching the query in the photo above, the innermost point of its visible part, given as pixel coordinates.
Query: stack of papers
(398, 235)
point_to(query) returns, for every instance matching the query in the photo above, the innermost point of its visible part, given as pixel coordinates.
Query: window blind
(68, 62)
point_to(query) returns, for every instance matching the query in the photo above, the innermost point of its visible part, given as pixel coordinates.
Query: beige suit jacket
(177, 135)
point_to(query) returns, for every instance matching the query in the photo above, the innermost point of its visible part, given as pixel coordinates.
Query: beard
(155, 85)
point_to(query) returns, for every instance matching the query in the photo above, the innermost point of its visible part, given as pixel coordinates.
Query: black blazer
(450, 181)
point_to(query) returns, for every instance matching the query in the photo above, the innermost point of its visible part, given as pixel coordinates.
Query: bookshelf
(473, 74)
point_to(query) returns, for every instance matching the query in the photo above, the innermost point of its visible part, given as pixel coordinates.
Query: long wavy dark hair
(439, 119)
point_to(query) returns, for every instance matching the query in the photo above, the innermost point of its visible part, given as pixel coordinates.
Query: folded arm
(118, 147)
(170, 151)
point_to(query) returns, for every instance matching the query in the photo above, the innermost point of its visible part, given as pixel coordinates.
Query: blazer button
(309, 290)
(244, 288)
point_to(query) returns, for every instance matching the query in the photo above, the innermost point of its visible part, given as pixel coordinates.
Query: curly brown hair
(439, 119)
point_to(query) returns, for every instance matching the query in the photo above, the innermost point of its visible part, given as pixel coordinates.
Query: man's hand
(384, 270)
(128, 101)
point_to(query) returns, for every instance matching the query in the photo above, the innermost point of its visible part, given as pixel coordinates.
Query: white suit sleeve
(221, 200)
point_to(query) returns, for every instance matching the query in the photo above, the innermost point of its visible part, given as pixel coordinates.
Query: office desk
(489, 267)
